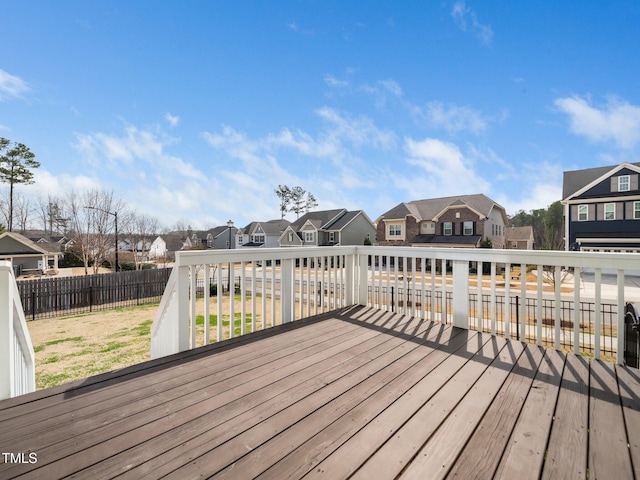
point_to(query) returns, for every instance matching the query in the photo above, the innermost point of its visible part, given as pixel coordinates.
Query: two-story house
(460, 221)
(328, 228)
(261, 234)
(602, 208)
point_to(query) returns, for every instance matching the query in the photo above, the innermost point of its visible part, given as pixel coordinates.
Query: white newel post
(363, 279)
(17, 358)
(461, 293)
(6, 331)
(183, 301)
(287, 294)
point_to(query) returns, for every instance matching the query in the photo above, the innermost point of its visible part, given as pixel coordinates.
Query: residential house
(602, 208)
(460, 221)
(165, 246)
(328, 228)
(217, 237)
(519, 238)
(261, 234)
(26, 255)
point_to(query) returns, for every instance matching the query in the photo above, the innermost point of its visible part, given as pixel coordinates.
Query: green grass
(237, 324)
(113, 346)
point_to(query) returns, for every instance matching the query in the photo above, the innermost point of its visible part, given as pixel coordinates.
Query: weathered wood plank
(359, 383)
(608, 446)
(310, 452)
(143, 421)
(399, 450)
(481, 455)
(567, 447)
(356, 450)
(249, 410)
(438, 454)
(525, 451)
(629, 388)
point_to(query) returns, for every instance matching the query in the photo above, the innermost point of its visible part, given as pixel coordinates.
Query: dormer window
(624, 183)
(308, 237)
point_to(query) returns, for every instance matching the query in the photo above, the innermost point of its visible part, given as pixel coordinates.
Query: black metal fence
(398, 298)
(52, 297)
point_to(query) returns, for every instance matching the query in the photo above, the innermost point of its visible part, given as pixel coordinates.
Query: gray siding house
(261, 234)
(328, 228)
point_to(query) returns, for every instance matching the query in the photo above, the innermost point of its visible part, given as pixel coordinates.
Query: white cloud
(172, 119)
(617, 122)
(450, 172)
(392, 86)
(466, 19)
(335, 82)
(12, 86)
(357, 131)
(453, 118)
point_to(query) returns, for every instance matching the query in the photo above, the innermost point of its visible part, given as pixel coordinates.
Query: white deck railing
(17, 366)
(566, 301)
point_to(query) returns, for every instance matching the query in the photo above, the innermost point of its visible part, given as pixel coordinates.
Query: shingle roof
(574, 180)
(518, 233)
(427, 209)
(319, 218)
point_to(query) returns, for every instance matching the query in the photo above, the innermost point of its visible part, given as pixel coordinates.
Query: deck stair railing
(17, 365)
(571, 301)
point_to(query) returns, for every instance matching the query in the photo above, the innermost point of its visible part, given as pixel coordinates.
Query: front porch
(353, 393)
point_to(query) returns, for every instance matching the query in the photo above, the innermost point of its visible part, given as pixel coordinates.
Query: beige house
(519, 238)
(26, 255)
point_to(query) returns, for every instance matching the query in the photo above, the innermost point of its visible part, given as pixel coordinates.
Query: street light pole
(229, 226)
(115, 216)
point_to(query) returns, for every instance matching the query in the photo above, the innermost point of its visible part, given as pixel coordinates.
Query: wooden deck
(358, 393)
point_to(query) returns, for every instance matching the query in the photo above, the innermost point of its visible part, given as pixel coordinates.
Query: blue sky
(198, 110)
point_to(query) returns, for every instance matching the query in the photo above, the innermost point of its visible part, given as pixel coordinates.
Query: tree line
(86, 218)
(547, 223)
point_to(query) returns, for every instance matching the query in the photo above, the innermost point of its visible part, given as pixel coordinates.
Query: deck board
(354, 393)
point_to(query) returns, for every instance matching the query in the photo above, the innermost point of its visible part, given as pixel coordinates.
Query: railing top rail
(608, 260)
(195, 257)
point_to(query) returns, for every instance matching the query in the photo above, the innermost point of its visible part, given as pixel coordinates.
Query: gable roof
(24, 247)
(575, 182)
(431, 208)
(318, 219)
(518, 233)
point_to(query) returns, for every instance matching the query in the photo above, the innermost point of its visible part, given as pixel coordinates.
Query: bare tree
(92, 223)
(50, 212)
(22, 211)
(140, 231)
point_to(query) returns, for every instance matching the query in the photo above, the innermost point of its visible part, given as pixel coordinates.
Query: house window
(467, 228)
(308, 237)
(609, 211)
(636, 210)
(290, 236)
(447, 228)
(332, 237)
(395, 230)
(583, 213)
(624, 185)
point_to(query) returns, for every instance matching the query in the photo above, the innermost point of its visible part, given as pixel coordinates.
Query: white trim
(579, 201)
(607, 240)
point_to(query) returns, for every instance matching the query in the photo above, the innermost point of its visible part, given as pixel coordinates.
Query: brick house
(460, 221)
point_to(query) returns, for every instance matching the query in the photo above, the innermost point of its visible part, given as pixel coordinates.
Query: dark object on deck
(631, 337)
